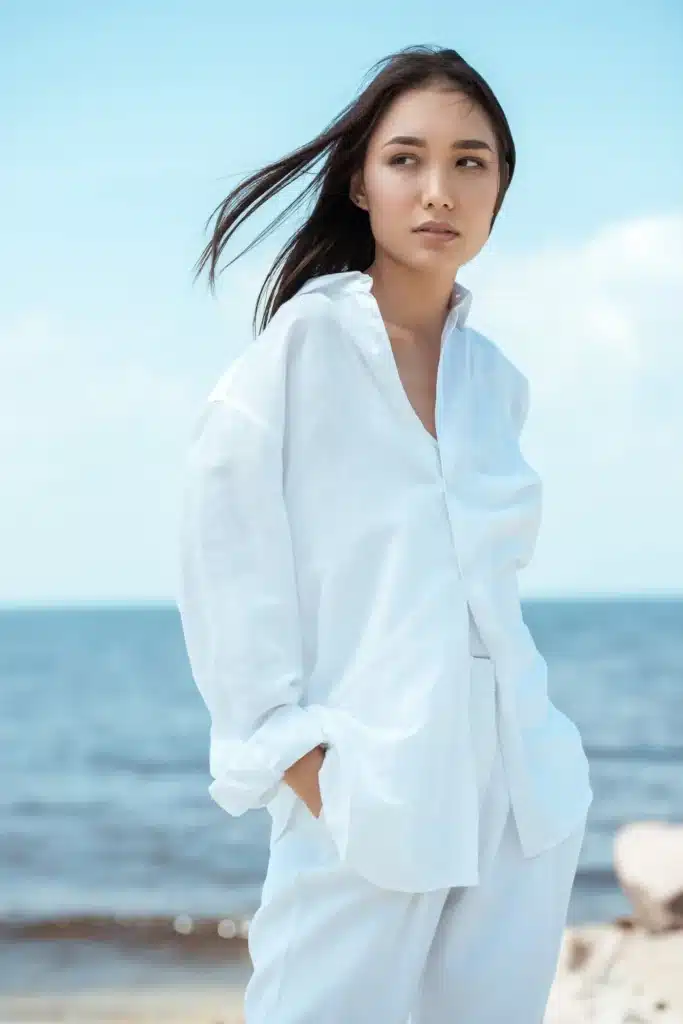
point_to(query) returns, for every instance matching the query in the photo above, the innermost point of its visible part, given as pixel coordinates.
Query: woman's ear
(357, 192)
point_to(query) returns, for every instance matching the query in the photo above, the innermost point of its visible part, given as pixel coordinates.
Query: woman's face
(444, 166)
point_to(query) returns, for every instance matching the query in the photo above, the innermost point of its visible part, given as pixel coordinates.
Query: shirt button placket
(444, 491)
(447, 500)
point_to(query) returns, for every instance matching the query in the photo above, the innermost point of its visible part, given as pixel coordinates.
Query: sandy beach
(607, 974)
(153, 1005)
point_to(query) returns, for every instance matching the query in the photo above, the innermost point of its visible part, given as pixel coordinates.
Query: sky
(124, 125)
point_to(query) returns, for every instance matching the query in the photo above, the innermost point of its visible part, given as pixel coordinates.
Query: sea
(115, 863)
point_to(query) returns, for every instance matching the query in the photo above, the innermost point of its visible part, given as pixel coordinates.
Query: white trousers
(329, 947)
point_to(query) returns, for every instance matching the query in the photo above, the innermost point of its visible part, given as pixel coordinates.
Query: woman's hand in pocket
(302, 776)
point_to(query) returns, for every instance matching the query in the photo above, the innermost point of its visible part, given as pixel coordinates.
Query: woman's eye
(401, 156)
(475, 161)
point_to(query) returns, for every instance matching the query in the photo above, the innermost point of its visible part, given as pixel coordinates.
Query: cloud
(91, 442)
(64, 396)
(601, 323)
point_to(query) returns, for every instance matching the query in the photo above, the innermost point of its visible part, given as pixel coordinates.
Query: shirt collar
(357, 280)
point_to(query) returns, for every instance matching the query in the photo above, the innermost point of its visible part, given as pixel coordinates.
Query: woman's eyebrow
(413, 140)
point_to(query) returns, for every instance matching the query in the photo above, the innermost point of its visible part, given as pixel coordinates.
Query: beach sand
(608, 974)
(154, 1005)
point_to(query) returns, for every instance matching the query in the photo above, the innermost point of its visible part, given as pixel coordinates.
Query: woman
(356, 510)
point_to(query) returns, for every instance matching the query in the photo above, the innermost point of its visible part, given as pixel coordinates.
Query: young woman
(357, 507)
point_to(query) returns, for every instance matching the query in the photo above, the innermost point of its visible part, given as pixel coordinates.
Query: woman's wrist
(302, 776)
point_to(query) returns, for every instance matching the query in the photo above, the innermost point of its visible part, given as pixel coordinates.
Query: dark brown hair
(336, 236)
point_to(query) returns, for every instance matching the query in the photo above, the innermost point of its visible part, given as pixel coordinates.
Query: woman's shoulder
(265, 357)
(498, 367)
(249, 394)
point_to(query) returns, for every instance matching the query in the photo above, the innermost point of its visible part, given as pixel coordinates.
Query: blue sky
(122, 127)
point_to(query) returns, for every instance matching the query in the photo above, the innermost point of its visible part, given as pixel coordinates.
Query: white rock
(648, 861)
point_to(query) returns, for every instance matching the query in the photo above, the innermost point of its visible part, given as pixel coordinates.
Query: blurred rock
(648, 861)
(618, 973)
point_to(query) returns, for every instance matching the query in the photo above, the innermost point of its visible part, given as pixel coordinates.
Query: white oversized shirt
(332, 553)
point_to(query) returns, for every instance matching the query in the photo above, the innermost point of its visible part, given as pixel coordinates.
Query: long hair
(336, 236)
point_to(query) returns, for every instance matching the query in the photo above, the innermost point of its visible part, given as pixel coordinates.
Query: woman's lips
(437, 233)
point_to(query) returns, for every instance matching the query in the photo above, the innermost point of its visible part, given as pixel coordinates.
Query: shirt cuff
(248, 773)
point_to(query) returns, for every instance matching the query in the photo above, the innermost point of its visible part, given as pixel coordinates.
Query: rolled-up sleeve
(238, 604)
